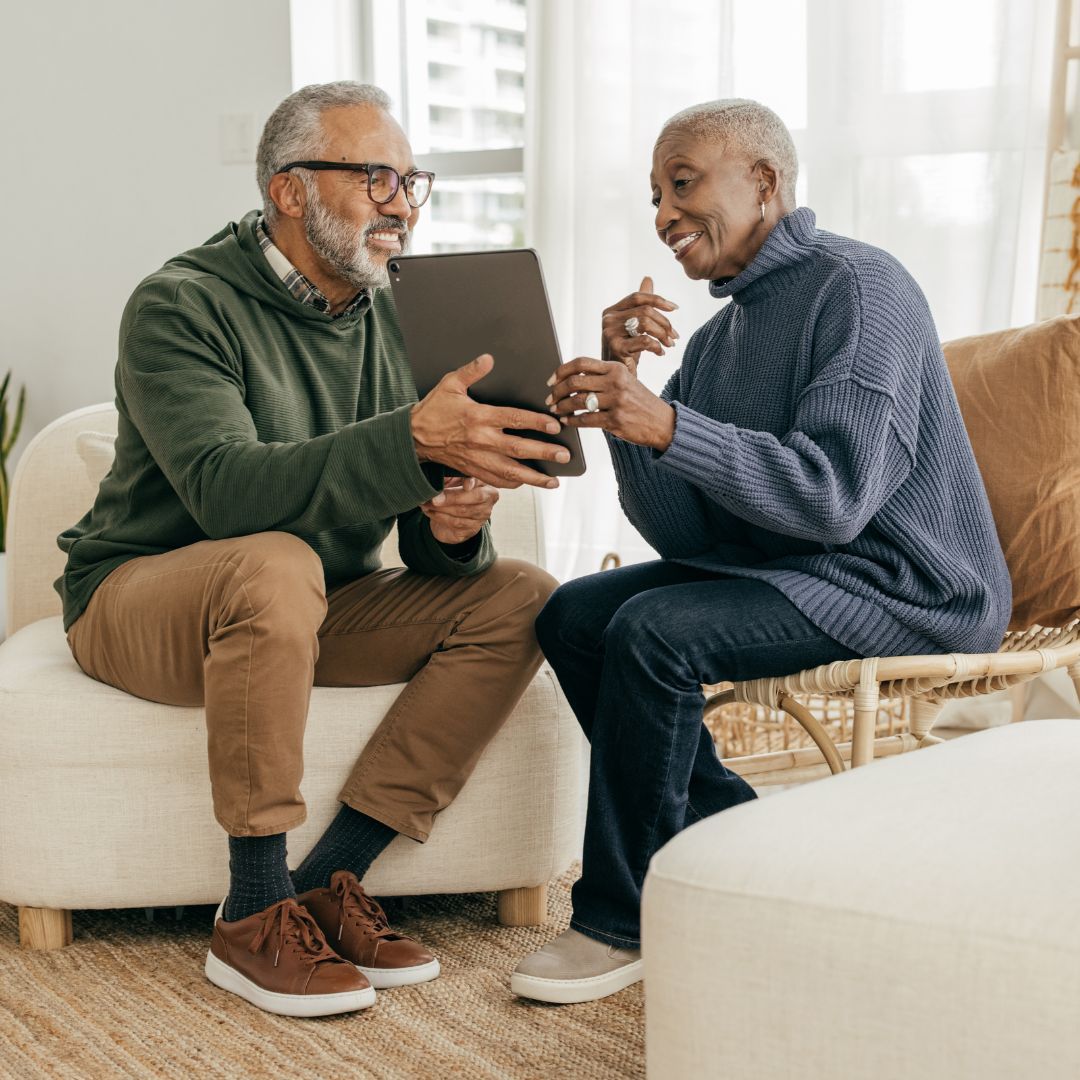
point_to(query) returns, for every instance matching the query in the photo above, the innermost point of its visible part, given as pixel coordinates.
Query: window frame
(388, 67)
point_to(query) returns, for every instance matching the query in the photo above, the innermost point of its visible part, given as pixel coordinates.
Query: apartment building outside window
(456, 72)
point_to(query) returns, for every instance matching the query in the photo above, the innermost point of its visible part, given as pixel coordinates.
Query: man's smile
(386, 240)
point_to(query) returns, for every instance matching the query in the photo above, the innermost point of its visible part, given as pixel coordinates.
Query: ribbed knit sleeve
(181, 388)
(851, 441)
(823, 481)
(666, 509)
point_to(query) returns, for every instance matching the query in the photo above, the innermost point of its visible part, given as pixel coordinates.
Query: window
(456, 73)
(462, 82)
(511, 83)
(927, 158)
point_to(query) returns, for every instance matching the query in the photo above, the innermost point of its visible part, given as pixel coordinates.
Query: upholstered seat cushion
(1019, 392)
(915, 918)
(97, 757)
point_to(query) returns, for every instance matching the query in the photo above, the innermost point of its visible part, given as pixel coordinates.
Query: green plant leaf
(3, 506)
(20, 409)
(9, 432)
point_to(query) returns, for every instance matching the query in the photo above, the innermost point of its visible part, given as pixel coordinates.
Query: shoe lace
(353, 901)
(293, 925)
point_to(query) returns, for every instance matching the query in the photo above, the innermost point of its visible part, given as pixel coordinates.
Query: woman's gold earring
(762, 211)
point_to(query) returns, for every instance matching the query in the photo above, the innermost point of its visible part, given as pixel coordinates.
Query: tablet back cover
(454, 307)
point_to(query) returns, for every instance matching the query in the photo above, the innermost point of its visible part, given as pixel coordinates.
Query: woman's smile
(681, 242)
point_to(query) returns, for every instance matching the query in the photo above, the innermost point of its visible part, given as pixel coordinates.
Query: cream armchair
(94, 782)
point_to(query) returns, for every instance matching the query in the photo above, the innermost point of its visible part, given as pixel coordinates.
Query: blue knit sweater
(819, 447)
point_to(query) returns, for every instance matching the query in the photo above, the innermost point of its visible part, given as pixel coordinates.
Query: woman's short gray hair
(747, 128)
(294, 131)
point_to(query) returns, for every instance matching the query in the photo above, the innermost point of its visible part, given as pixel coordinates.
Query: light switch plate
(237, 137)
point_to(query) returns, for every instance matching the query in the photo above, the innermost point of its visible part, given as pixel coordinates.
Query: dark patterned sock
(352, 842)
(260, 875)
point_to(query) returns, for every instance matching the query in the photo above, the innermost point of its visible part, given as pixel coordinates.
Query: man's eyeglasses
(383, 181)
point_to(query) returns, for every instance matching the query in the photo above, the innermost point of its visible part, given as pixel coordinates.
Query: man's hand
(628, 409)
(460, 510)
(654, 329)
(451, 428)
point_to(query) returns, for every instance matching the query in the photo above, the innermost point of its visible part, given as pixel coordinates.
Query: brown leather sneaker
(356, 927)
(278, 960)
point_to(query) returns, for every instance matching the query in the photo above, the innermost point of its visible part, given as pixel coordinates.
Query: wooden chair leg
(818, 733)
(921, 720)
(44, 928)
(864, 726)
(1018, 694)
(523, 907)
(1074, 674)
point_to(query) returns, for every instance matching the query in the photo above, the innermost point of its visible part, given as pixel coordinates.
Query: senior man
(269, 436)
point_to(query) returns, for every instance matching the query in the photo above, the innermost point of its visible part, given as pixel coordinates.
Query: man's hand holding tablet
(488, 418)
(478, 440)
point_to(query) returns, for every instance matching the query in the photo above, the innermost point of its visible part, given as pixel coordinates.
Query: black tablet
(454, 307)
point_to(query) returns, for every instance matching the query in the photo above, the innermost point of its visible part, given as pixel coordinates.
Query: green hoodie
(243, 410)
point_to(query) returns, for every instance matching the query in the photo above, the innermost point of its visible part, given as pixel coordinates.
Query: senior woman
(806, 479)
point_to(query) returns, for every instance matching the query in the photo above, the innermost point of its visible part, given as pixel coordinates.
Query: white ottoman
(918, 918)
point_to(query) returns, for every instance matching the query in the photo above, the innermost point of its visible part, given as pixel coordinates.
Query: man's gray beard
(344, 250)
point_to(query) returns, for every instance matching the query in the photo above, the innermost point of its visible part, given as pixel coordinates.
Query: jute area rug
(129, 999)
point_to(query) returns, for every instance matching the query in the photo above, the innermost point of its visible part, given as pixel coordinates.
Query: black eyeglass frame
(368, 167)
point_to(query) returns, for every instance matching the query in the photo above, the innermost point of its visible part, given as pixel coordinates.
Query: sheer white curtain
(921, 128)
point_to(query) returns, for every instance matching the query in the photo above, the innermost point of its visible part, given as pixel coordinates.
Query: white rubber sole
(220, 974)
(574, 991)
(388, 978)
(228, 978)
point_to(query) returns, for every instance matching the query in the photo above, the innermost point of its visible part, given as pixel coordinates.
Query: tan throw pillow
(97, 451)
(1019, 392)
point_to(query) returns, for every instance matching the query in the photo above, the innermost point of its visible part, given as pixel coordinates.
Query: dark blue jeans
(631, 648)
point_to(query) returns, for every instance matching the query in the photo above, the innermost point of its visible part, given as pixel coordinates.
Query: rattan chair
(1019, 392)
(927, 682)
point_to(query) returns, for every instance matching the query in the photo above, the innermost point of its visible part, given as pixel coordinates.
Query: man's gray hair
(294, 131)
(748, 129)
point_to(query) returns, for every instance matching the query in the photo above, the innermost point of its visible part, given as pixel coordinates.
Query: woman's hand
(460, 510)
(654, 330)
(626, 407)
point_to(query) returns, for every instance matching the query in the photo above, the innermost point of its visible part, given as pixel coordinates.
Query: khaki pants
(245, 627)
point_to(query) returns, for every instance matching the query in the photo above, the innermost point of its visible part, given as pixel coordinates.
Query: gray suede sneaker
(575, 968)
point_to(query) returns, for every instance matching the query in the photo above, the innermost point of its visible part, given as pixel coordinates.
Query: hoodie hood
(234, 256)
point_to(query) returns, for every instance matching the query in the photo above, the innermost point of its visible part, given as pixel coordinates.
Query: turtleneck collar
(791, 240)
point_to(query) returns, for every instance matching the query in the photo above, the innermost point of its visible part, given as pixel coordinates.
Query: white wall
(112, 161)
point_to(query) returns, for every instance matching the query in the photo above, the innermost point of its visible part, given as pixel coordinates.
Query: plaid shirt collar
(298, 285)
